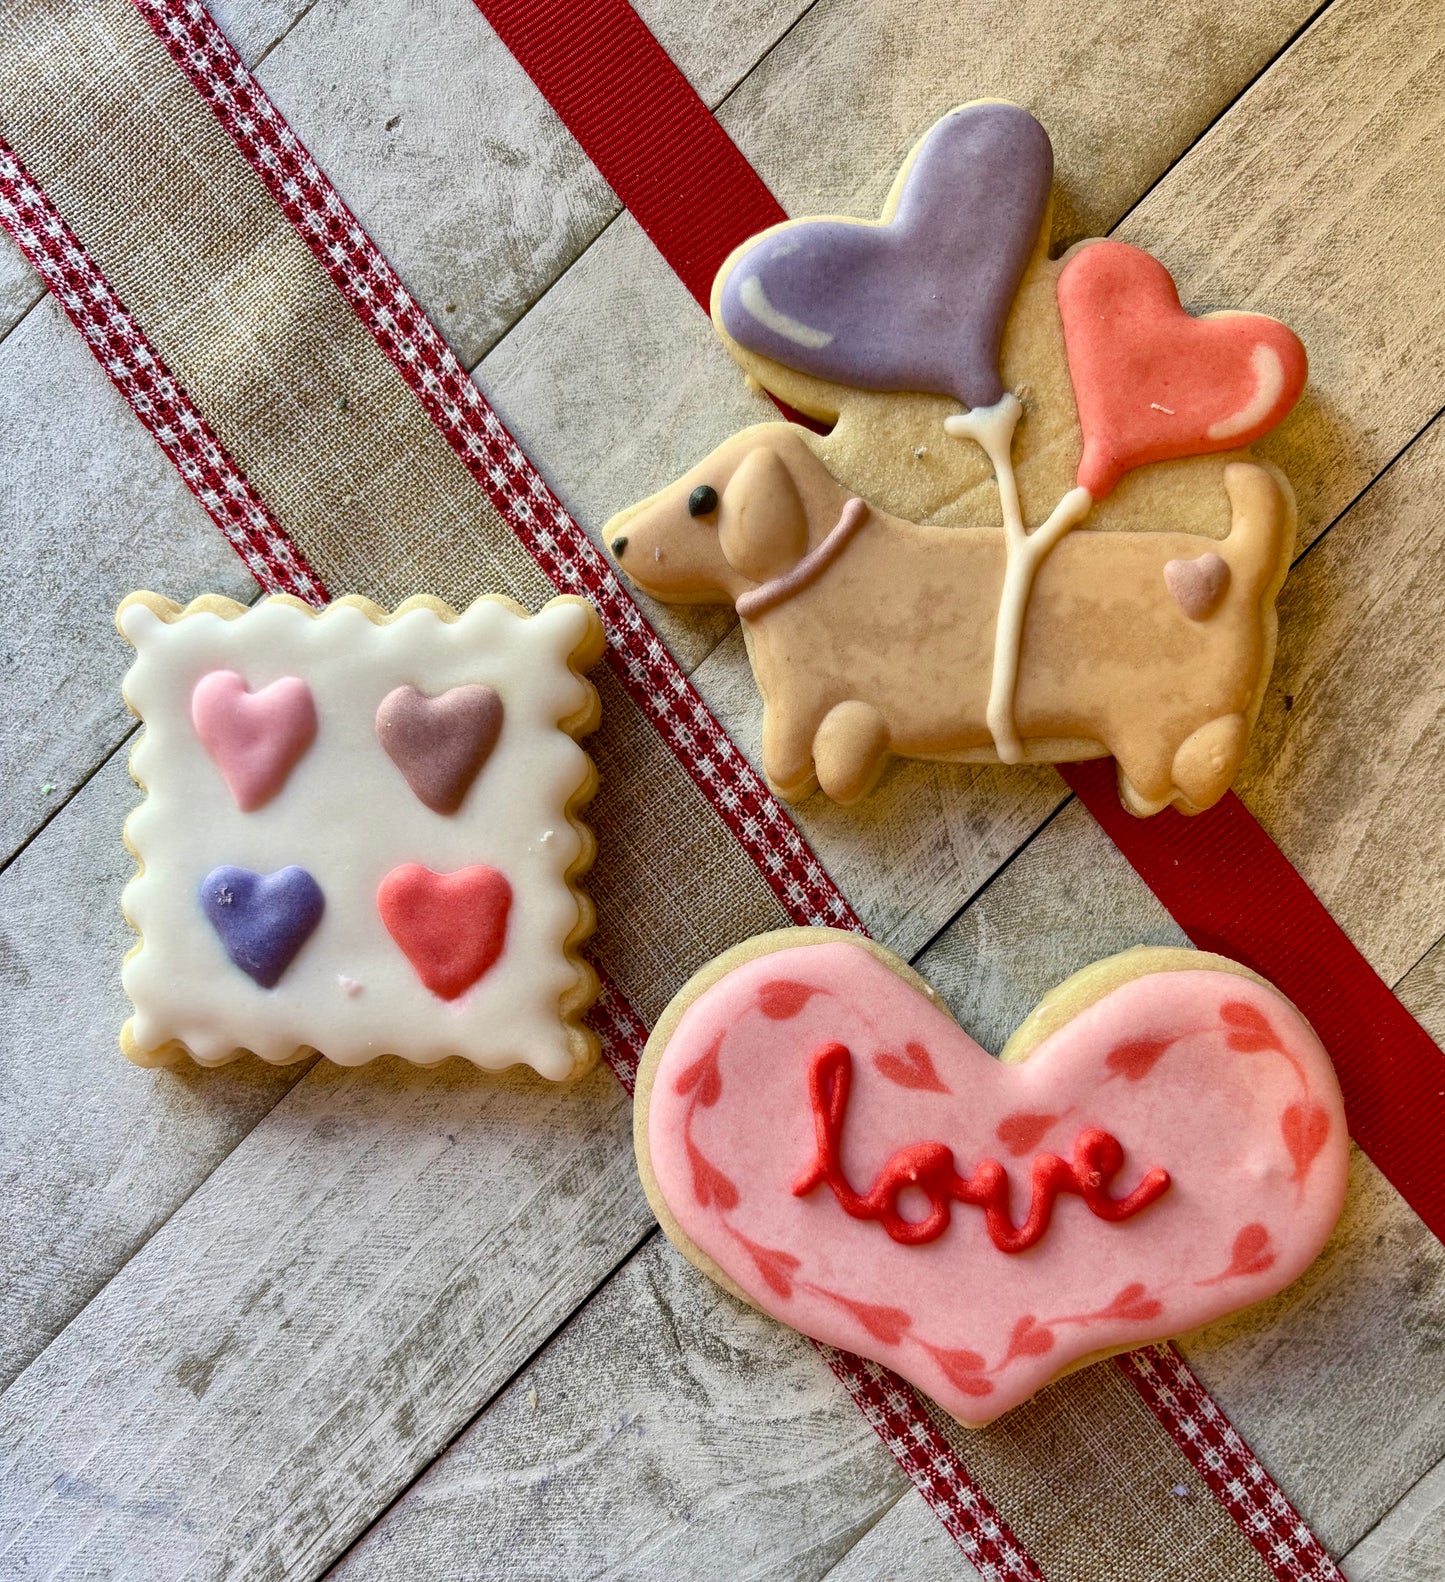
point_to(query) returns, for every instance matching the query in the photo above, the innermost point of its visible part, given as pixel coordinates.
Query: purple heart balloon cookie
(917, 302)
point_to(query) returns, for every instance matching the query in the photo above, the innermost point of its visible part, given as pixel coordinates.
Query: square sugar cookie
(360, 832)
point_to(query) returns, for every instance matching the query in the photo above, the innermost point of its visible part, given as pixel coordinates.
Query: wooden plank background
(395, 1324)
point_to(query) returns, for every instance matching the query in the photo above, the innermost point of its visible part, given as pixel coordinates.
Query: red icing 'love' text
(929, 1169)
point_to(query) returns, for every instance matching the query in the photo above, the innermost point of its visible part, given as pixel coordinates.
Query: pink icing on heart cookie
(1151, 382)
(1172, 1148)
(255, 738)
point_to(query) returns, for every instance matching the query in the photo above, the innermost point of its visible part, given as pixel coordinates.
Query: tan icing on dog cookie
(1161, 1143)
(360, 832)
(1031, 443)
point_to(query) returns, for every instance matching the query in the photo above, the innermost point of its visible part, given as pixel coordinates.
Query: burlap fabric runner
(374, 497)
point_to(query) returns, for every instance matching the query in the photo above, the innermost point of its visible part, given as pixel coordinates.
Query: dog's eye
(702, 501)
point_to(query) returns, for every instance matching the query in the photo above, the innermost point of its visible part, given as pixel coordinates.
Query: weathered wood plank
(94, 1152)
(299, 1340)
(20, 286)
(908, 1544)
(1408, 1543)
(1423, 991)
(755, 1464)
(92, 509)
(477, 194)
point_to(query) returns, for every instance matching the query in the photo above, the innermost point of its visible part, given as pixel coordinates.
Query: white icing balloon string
(993, 428)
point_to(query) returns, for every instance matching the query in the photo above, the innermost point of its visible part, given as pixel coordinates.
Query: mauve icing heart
(440, 743)
(1197, 585)
(1151, 382)
(917, 303)
(263, 919)
(980, 1239)
(450, 926)
(255, 738)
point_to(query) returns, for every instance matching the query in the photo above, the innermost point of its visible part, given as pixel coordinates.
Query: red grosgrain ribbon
(1228, 886)
(642, 124)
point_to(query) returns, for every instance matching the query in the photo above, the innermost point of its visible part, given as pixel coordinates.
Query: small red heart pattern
(1153, 383)
(1196, 1076)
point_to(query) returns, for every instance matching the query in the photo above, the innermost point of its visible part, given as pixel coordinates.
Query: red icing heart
(1173, 1152)
(451, 926)
(1022, 1133)
(1306, 1129)
(914, 1068)
(1153, 383)
(1136, 1059)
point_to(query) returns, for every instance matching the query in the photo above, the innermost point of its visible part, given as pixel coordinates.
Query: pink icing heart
(1153, 383)
(981, 1236)
(255, 738)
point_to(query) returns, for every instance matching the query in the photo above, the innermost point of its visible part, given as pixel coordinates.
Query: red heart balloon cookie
(1161, 1143)
(1151, 382)
(451, 926)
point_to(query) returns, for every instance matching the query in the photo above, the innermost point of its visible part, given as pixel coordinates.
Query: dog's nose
(618, 545)
(702, 500)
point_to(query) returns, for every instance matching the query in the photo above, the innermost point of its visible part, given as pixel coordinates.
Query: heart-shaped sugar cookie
(1151, 382)
(256, 737)
(919, 301)
(1161, 1143)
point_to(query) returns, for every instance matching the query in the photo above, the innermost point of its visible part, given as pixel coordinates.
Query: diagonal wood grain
(907, 1544)
(96, 1152)
(1408, 1543)
(730, 1427)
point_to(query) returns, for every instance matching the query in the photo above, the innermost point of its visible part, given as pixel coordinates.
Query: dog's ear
(762, 527)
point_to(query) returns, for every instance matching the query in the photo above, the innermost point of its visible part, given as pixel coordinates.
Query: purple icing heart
(263, 918)
(919, 303)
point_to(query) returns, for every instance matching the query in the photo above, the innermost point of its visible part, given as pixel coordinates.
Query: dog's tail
(1261, 535)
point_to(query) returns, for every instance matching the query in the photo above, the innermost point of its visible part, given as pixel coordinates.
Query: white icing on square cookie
(312, 877)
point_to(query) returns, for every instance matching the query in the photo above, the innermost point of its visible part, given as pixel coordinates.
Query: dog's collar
(767, 595)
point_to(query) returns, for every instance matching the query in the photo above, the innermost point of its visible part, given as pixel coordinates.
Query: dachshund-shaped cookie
(870, 635)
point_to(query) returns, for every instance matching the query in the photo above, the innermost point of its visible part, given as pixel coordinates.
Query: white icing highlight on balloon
(348, 818)
(993, 428)
(755, 300)
(1268, 387)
